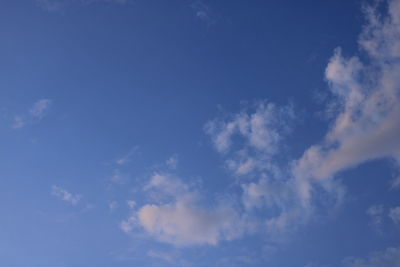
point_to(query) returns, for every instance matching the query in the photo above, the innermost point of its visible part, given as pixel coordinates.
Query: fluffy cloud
(64, 195)
(258, 130)
(183, 220)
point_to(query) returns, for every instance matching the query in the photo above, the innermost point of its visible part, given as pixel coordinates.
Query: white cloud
(394, 214)
(261, 129)
(368, 125)
(387, 258)
(182, 220)
(257, 131)
(64, 195)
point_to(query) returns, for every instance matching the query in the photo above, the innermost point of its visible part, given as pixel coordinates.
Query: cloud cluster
(366, 127)
(257, 131)
(285, 191)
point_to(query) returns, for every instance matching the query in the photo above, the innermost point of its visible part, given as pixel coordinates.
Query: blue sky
(200, 133)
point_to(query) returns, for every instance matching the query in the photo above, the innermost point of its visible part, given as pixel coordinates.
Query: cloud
(387, 258)
(376, 213)
(172, 162)
(113, 205)
(36, 113)
(166, 184)
(119, 178)
(185, 223)
(64, 195)
(258, 131)
(182, 220)
(266, 193)
(368, 124)
(282, 193)
(394, 214)
(131, 203)
(203, 12)
(39, 108)
(19, 122)
(127, 157)
(366, 127)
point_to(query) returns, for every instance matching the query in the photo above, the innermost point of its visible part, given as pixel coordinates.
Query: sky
(200, 133)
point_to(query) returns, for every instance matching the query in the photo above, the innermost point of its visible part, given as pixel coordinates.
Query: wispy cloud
(168, 257)
(119, 177)
(64, 195)
(394, 214)
(113, 205)
(39, 108)
(36, 113)
(376, 213)
(127, 157)
(203, 12)
(19, 122)
(172, 162)
(131, 203)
